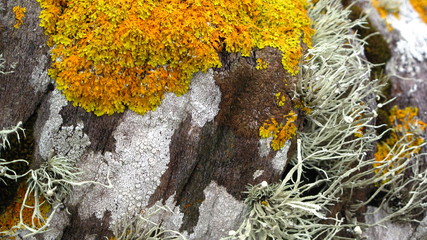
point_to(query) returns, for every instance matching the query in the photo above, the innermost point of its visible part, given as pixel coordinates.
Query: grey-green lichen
(220, 212)
(5, 170)
(50, 183)
(338, 133)
(285, 210)
(143, 226)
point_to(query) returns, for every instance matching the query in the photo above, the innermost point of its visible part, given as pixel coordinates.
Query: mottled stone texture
(196, 153)
(25, 50)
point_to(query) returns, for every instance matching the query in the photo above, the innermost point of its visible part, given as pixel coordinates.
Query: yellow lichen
(385, 7)
(261, 64)
(302, 106)
(421, 7)
(278, 131)
(112, 54)
(19, 15)
(280, 99)
(406, 131)
(10, 217)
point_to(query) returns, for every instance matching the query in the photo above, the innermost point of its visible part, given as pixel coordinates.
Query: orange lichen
(261, 64)
(278, 131)
(421, 7)
(360, 131)
(301, 105)
(385, 7)
(112, 54)
(19, 15)
(10, 217)
(406, 130)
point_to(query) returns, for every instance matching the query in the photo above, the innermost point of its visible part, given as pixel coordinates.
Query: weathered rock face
(25, 52)
(195, 154)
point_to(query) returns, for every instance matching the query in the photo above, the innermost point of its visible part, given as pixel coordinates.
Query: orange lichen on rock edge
(421, 7)
(19, 15)
(10, 217)
(384, 7)
(109, 55)
(278, 131)
(407, 130)
(261, 64)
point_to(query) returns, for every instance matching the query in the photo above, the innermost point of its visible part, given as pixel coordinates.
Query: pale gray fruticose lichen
(3, 62)
(335, 85)
(141, 227)
(54, 180)
(5, 171)
(285, 210)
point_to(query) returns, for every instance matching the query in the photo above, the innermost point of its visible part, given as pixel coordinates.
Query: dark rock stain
(225, 150)
(79, 229)
(99, 129)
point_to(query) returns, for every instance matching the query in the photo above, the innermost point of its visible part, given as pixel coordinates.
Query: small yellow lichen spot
(406, 131)
(109, 55)
(280, 99)
(278, 131)
(421, 7)
(19, 15)
(261, 64)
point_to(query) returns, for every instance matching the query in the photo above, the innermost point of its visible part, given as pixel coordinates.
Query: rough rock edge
(141, 155)
(219, 213)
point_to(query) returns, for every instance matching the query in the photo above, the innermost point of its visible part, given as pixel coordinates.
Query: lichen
(285, 210)
(280, 99)
(142, 226)
(261, 64)
(279, 131)
(407, 130)
(376, 49)
(19, 15)
(109, 55)
(11, 216)
(421, 7)
(385, 7)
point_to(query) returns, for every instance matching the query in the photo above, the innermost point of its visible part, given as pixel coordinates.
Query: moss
(19, 15)
(109, 55)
